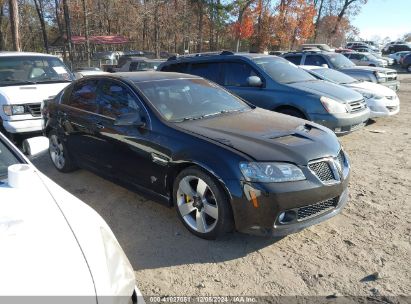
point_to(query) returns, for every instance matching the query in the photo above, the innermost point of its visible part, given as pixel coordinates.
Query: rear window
(296, 59)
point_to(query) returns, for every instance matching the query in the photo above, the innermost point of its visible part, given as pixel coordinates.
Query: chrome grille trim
(358, 105)
(329, 170)
(34, 109)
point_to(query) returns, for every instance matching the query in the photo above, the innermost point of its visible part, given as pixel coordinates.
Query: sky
(384, 18)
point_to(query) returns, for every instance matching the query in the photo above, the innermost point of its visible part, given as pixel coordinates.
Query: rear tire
(292, 112)
(59, 155)
(202, 204)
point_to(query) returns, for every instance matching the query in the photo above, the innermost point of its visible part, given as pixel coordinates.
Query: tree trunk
(347, 3)
(40, 12)
(317, 22)
(200, 7)
(14, 24)
(2, 44)
(241, 11)
(156, 31)
(85, 13)
(68, 31)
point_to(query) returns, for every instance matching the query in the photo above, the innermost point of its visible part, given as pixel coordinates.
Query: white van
(26, 80)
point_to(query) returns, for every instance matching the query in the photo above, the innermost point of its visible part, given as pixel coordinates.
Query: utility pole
(14, 24)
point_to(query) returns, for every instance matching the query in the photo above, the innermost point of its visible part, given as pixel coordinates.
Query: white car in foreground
(381, 100)
(52, 244)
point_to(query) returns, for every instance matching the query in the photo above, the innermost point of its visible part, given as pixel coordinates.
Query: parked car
(273, 83)
(87, 71)
(51, 239)
(189, 143)
(396, 56)
(384, 76)
(366, 59)
(406, 63)
(381, 100)
(26, 79)
(394, 48)
(365, 49)
(321, 46)
(134, 64)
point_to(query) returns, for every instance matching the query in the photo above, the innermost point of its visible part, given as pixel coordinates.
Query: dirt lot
(372, 235)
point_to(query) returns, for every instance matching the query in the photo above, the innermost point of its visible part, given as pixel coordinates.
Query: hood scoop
(302, 135)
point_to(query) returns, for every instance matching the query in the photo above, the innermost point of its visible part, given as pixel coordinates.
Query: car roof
(217, 55)
(149, 76)
(312, 67)
(26, 54)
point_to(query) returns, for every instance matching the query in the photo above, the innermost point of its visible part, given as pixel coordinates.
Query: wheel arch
(292, 107)
(177, 168)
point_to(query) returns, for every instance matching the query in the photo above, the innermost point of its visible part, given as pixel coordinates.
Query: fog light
(287, 217)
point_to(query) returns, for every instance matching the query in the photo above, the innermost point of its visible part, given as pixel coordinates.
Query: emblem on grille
(336, 168)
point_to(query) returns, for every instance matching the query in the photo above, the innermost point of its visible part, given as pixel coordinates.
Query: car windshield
(185, 99)
(7, 159)
(148, 65)
(335, 76)
(282, 70)
(340, 61)
(20, 70)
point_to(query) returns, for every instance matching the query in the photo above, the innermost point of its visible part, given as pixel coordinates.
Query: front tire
(59, 154)
(201, 204)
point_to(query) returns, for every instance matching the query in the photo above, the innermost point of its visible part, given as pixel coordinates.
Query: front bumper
(261, 212)
(24, 126)
(393, 85)
(342, 123)
(383, 107)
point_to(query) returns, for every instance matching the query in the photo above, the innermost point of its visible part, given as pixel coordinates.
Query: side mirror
(35, 146)
(254, 81)
(130, 119)
(324, 65)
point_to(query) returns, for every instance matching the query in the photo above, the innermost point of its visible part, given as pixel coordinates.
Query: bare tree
(40, 12)
(346, 4)
(14, 24)
(68, 30)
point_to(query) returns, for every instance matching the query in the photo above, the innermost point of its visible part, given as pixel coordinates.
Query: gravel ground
(365, 251)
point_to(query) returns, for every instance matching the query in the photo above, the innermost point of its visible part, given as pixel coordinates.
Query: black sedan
(221, 162)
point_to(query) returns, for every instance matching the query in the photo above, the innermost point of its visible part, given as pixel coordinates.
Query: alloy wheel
(57, 152)
(197, 204)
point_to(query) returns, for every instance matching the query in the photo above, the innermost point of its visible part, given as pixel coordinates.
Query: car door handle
(99, 125)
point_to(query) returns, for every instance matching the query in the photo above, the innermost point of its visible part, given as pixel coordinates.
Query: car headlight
(370, 95)
(382, 77)
(271, 172)
(13, 110)
(332, 106)
(121, 272)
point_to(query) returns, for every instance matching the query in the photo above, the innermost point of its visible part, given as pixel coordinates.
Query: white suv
(26, 80)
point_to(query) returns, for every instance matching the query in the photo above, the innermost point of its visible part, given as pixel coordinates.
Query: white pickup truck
(26, 80)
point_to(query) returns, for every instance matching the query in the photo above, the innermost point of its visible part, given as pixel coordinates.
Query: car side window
(133, 66)
(315, 60)
(208, 70)
(83, 96)
(236, 74)
(177, 67)
(115, 99)
(296, 59)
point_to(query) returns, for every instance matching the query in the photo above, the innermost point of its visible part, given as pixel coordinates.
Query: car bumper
(24, 126)
(393, 85)
(261, 212)
(342, 123)
(383, 107)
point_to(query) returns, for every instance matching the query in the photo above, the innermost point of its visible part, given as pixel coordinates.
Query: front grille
(322, 170)
(357, 105)
(307, 212)
(34, 109)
